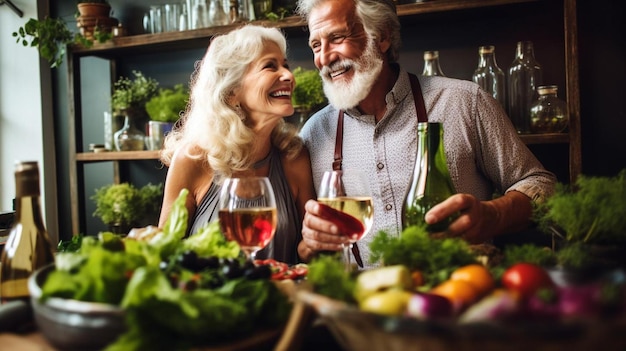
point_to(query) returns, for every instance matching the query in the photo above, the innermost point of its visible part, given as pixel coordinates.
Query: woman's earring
(239, 112)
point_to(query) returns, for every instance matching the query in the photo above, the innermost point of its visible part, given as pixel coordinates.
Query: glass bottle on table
(525, 75)
(431, 64)
(28, 247)
(431, 182)
(488, 75)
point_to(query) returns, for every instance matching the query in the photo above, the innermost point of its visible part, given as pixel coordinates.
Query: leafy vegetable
(328, 276)
(71, 245)
(209, 241)
(414, 248)
(168, 306)
(592, 211)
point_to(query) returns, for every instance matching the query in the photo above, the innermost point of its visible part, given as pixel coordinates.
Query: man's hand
(319, 233)
(480, 221)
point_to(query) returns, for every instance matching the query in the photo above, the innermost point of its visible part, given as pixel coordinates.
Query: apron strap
(420, 110)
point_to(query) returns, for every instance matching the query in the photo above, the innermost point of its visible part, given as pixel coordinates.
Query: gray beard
(348, 94)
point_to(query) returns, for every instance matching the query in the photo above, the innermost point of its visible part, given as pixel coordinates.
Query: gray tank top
(283, 246)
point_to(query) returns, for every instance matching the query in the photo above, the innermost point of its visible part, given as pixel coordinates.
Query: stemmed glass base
(347, 256)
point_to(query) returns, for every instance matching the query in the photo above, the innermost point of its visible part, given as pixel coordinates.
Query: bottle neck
(431, 65)
(525, 51)
(27, 209)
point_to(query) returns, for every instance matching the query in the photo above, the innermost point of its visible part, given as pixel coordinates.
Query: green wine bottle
(431, 182)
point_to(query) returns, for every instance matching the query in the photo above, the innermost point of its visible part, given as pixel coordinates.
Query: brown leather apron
(420, 109)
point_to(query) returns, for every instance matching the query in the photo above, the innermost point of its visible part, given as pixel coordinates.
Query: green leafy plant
(168, 104)
(51, 37)
(591, 211)
(309, 90)
(135, 93)
(125, 204)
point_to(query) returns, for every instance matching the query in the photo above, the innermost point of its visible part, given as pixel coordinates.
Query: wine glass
(248, 213)
(347, 192)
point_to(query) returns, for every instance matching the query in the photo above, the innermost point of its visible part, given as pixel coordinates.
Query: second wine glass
(248, 213)
(348, 192)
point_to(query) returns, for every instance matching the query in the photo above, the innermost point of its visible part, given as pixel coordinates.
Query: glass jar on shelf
(548, 114)
(431, 64)
(488, 75)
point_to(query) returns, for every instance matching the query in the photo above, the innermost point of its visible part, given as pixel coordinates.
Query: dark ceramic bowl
(71, 324)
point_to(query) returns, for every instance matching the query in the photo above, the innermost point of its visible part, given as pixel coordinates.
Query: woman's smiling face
(266, 87)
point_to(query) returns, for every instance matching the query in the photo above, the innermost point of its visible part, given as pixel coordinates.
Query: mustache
(344, 64)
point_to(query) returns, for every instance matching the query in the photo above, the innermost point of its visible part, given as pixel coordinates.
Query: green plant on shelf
(167, 105)
(51, 37)
(309, 91)
(133, 93)
(125, 204)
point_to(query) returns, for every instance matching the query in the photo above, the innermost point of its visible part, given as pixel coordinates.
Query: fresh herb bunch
(415, 249)
(133, 93)
(309, 91)
(592, 211)
(168, 104)
(328, 276)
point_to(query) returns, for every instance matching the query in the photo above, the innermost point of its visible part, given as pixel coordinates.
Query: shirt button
(388, 207)
(380, 165)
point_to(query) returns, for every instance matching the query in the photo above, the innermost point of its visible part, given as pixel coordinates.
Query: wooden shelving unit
(191, 39)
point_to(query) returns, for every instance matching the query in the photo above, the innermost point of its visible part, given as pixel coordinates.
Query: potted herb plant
(129, 99)
(308, 95)
(94, 20)
(167, 105)
(51, 37)
(164, 110)
(123, 206)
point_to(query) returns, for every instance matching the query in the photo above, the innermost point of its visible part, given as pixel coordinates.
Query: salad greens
(162, 312)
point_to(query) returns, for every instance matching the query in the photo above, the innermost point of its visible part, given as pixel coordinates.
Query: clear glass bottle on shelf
(549, 113)
(488, 75)
(129, 138)
(431, 183)
(431, 64)
(28, 247)
(525, 75)
(217, 14)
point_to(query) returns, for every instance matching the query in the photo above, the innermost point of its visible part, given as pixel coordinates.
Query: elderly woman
(234, 127)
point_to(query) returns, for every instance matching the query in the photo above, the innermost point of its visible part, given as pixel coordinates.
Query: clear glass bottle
(217, 14)
(525, 75)
(431, 182)
(431, 64)
(129, 138)
(28, 247)
(549, 113)
(488, 75)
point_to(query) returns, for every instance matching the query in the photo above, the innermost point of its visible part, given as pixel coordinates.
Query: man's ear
(384, 43)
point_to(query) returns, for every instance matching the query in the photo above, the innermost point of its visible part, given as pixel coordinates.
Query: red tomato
(526, 279)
